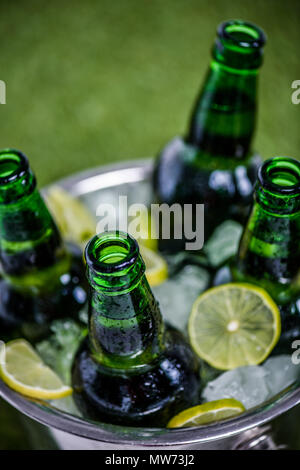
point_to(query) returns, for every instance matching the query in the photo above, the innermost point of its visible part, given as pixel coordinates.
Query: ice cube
(246, 384)
(59, 349)
(223, 243)
(252, 385)
(179, 260)
(280, 373)
(177, 295)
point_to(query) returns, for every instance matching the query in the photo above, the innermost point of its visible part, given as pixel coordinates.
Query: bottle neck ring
(239, 45)
(114, 263)
(278, 186)
(16, 177)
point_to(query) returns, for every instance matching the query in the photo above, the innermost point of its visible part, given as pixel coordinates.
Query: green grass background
(94, 82)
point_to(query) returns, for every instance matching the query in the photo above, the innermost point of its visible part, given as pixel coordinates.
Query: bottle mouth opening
(280, 175)
(13, 165)
(111, 252)
(242, 34)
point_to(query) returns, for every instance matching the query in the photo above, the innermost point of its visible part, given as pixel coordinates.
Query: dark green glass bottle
(131, 370)
(42, 278)
(214, 163)
(269, 252)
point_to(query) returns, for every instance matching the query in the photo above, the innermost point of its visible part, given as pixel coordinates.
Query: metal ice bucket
(269, 426)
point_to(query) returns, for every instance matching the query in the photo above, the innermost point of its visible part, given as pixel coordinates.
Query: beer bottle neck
(269, 251)
(223, 120)
(125, 324)
(29, 238)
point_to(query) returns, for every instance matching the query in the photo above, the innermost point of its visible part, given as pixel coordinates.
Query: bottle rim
(280, 176)
(243, 34)
(111, 252)
(13, 165)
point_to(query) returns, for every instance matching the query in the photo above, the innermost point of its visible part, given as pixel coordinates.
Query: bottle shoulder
(176, 350)
(43, 297)
(178, 153)
(149, 398)
(185, 174)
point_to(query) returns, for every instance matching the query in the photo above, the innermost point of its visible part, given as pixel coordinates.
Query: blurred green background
(95, 82)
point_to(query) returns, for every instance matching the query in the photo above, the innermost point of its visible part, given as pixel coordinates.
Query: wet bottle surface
(214, 163)
(132, 369)
(42, 278)
(269, 251)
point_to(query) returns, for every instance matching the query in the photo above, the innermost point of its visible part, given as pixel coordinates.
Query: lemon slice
(24, 371)
(156, 266)
(207, 413)
(234, 325)
(73, 219)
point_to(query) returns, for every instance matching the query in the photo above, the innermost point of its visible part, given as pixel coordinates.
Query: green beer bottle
(132, 369)
(42, 278)
(269, 252)
(214, 163)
